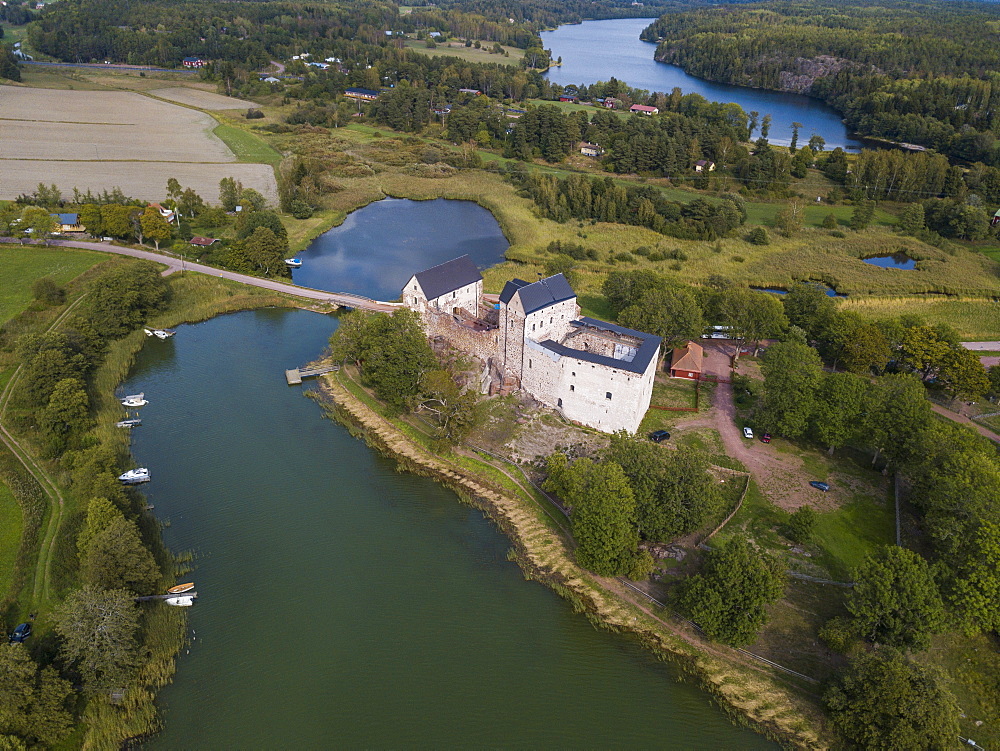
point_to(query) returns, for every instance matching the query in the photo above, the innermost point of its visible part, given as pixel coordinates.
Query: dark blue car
(21, 633)
(819, 485)
(659, 435)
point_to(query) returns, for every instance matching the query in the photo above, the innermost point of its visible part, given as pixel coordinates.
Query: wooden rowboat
(181, 588)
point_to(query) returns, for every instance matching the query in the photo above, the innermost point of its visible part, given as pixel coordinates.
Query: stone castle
(531, 337)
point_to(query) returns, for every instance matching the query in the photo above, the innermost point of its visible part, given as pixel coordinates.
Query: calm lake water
(346, 605)
(895, 261)
(379, 247)
(599, 50)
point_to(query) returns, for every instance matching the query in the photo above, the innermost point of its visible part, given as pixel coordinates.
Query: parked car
(747, 433)
(22, 632)
(819, 485)
(659, 435)
(766, 438)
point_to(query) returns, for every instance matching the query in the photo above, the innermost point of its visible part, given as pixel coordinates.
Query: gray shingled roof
(541, 294)
(448, 276)
(646, 352)
(507, 294)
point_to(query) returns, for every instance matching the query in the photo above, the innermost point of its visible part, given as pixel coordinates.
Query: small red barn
(686, 361)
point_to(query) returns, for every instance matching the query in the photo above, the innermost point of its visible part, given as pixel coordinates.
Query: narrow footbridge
(295, 376)
(174, 263)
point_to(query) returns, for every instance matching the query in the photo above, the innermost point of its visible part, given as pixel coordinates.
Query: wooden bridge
(295, 376)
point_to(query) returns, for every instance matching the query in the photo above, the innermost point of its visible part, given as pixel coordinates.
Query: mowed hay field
(99, 140)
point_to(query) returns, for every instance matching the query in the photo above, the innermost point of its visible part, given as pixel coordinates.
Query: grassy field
(469, 54)
(11, 523)
(21, 266)
(247, 146)
(974, 319)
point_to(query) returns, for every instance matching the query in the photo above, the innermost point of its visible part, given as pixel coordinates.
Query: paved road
(982, 346)
(109, 66)
(177, 264)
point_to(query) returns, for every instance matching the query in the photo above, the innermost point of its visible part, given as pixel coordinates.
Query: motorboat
(131, 423)
(294, 262)
(134, 476)
(135, 400)
(182, 601)
(181, 588)
(160, 333)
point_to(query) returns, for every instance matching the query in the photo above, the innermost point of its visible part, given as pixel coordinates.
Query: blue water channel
(599, 50)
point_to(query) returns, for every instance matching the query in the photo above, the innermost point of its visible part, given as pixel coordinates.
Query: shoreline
(750, 695)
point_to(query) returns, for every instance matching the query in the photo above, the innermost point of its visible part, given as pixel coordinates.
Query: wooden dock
(295, 376)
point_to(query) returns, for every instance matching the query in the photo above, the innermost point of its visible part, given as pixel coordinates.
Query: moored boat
(149, 332)
(164, 333)
(294, 262)
(183, 601)
(135, 400)
(181, 588)
(128, 423)
(135, 476)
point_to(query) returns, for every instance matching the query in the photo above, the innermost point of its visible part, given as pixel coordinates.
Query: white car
(747, 433)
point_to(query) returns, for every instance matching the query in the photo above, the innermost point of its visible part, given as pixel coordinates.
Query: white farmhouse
(447, 287)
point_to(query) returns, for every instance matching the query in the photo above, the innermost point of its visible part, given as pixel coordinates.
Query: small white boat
(128, 423)
(135, 400)
(163, 333)
(183, 601)
(294, 262)
(134, 476)
(149, 332)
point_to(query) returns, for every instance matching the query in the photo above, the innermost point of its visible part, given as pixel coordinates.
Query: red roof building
(686, 361)
(203, 242)
(644, 109)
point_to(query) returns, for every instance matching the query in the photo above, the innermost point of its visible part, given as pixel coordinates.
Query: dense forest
(912, 72)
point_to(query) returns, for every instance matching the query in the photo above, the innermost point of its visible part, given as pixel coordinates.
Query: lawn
(469, 54)
(246, 146)
(11, 523)
(21, 266)
(845, 536)
(673, 392)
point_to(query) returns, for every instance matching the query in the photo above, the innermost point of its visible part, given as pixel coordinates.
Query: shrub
(758, 236)
(799, 527)
(829, 222)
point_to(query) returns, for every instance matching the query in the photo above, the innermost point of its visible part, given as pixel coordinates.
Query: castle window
(529, 363)
(559, 402)
(607, 395)
(572, 387)
(574, 374)
(532, 327)
(550, 320)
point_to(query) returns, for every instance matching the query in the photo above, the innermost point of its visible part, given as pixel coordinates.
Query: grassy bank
(749, 692)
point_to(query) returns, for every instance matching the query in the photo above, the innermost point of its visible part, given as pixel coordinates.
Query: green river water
(345, 605)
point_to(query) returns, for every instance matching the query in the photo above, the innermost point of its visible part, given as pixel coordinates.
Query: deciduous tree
(792, 374)
(728, 599)
(887, 702)
(154, 226)
(98, 629)
(895, 600)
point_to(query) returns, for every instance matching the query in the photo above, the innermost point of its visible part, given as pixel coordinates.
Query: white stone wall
(464, 297)
(579, 389)
(551, 322)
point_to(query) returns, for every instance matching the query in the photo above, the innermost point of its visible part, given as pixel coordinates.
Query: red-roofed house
(203, 242)
(686, 361)
(644, 109)
(703, 165)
